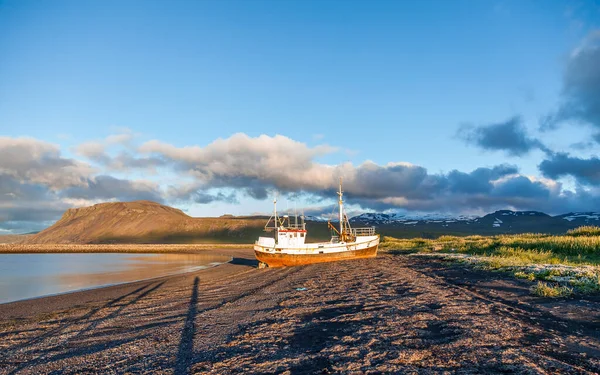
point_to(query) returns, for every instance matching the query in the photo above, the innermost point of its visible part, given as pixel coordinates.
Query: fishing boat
(288, 248)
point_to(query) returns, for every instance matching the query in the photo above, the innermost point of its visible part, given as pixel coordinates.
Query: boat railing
(294, 226)
(368, 231)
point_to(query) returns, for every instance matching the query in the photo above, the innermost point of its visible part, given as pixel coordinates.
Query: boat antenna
(275, 211)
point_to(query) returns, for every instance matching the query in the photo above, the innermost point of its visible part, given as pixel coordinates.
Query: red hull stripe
(286, 260)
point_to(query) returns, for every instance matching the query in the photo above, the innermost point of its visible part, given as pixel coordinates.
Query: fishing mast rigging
(344, 232)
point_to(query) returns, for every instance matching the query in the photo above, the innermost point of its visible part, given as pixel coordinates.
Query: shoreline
(91, 288)
(12, 248)
(53, 303)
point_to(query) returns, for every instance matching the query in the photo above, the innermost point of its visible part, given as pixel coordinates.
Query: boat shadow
(244, 262)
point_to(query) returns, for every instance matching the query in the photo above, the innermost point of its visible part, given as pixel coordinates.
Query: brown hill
(145, 222)
(13, 238)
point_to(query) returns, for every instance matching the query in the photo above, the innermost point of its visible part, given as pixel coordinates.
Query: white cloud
(91, 150)
(32, 161)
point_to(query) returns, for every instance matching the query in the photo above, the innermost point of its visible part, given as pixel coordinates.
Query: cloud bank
(580, 98)
(585, 171)
(509, 136)
(37, 183)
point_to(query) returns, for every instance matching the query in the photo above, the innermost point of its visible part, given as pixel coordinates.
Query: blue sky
(386, 82)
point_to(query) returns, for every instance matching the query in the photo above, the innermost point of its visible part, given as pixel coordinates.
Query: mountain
(499, 222)
(377, 218)
(150, 222)
(141, 222)
(582, 218)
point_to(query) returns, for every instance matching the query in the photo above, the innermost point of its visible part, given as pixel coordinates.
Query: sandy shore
(390, 314)
(17, 248)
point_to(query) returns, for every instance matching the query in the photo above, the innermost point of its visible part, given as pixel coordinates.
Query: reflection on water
(33, 275)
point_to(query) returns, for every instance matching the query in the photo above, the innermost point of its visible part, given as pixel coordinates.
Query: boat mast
(275, 213)
(295, 215)
(341, 203)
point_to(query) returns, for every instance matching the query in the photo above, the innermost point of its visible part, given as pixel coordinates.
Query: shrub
(544, 290)
(587, 285)
(525, 275)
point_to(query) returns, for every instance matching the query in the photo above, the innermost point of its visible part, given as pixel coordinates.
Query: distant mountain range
(582, 218)
(499, 222)
(150, 222)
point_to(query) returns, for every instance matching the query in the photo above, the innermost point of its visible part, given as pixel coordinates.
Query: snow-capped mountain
(502, 221)
(315, 218)
(378, 219)
(592, 218)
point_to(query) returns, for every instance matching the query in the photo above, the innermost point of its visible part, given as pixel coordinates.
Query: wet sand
(395, 313)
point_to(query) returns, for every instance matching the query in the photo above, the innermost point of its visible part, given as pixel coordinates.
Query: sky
(460, 107)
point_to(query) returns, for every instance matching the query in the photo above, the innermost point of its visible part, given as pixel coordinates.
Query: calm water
(25, 276)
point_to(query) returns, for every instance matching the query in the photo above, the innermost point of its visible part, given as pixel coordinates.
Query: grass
(584, 231)
(569, 262)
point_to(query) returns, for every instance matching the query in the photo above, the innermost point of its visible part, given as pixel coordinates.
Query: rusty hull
(287, 260)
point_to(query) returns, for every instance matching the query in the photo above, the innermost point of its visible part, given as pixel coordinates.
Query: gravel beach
(392, 314)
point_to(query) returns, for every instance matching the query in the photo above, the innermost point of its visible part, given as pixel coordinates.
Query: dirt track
(390, 314)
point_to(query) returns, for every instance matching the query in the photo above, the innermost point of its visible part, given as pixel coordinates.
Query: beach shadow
(50, 355)
(186, 344)
(58, 330)
(320, 327)
(315, 365)
(81, 351)
(115, 313)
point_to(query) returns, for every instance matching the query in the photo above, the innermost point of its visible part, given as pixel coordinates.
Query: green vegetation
(562, 264)
(544, 290)
(587, 230)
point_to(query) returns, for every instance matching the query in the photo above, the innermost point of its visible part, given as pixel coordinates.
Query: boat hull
(288, 260)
